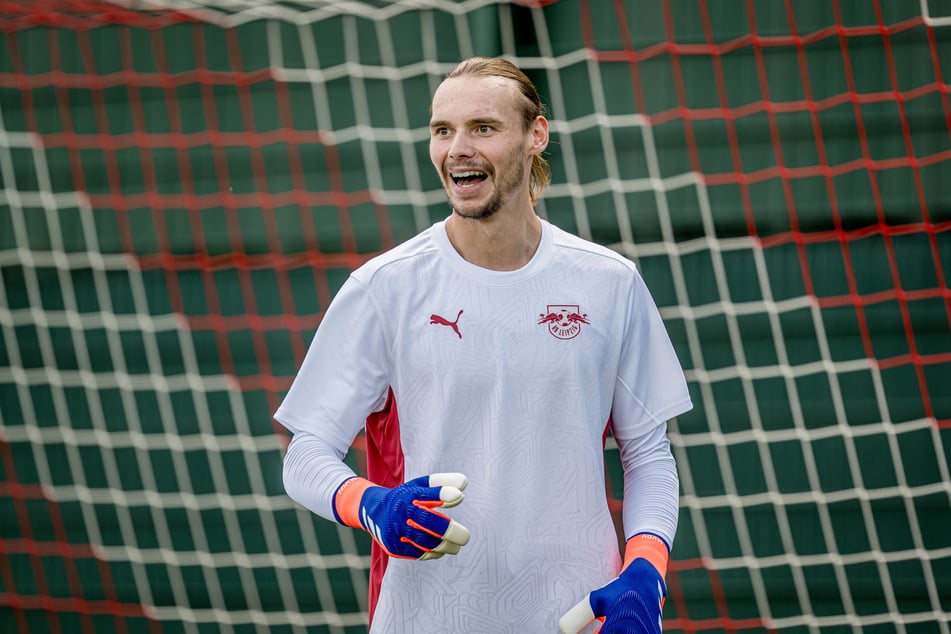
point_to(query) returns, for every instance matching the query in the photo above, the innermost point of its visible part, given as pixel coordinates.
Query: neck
(502, 242)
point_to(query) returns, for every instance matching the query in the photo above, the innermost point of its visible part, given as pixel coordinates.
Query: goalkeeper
(487, 358)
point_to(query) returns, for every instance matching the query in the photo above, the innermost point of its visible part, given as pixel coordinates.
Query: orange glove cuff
(650, 547)
(347, 501)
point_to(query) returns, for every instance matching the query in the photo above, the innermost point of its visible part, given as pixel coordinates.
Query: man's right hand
(403, 520)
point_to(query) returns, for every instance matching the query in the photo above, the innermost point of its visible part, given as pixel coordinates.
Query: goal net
(185, 185)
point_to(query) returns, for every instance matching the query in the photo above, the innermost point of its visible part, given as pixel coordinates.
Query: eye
(484, 129)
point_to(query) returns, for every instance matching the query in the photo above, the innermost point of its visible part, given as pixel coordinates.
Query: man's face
(479, 145)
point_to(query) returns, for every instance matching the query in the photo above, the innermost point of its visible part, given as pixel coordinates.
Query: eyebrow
(470, 122)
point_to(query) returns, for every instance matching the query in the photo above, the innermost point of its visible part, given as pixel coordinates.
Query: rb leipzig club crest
(563, 320)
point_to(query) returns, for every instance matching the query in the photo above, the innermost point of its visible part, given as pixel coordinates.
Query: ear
(539, 134)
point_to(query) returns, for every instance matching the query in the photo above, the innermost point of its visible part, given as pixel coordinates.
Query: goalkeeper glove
(402, 520)
(633, 601)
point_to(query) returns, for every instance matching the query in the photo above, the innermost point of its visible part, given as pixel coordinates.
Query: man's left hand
(631, 603)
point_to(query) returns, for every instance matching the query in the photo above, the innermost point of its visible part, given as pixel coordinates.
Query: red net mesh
(185, 189)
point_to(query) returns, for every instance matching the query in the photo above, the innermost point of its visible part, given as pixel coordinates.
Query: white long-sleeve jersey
(512, 379)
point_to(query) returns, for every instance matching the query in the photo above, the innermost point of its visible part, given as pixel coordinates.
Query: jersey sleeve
(650, 388)
(344, 376)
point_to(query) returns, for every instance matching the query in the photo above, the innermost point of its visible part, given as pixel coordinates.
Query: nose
(460, 146)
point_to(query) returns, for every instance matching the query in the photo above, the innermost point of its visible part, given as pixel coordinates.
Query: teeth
(472, 174)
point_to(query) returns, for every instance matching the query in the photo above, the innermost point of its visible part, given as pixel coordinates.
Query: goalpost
(185, 185)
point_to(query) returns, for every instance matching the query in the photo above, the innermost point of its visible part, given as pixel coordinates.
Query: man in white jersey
(492, 353)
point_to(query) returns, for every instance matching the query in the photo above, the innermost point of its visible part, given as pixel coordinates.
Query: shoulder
(399, 260)
(590, 254)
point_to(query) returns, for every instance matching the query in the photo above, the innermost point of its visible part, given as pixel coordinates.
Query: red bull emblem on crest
(564, 320)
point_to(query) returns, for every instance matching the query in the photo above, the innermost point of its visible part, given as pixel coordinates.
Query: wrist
(346, 503)
(650, 547)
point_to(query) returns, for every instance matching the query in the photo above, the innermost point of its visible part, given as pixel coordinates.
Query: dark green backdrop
(183, 192)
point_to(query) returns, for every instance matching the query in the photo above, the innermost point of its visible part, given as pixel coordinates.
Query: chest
(543, 331)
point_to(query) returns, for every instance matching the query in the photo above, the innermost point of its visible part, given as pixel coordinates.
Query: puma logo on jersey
(442, 321)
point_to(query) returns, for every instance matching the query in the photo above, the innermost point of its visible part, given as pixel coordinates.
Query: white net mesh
(185, 186)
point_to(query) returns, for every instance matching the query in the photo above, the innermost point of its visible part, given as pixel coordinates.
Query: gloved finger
(408, 550)
(455, 538)
(419, 516)
(575, 619)
(447, 548)
(425, 538)
(456, 534)
(453, 484)
(431, 532)
(439, 489)
(419, 542)
(420, 546)
(452, 479)
(437, 524)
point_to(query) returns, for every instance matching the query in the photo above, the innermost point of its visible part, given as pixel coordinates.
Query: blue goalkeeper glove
(403, 520)
(633, 602)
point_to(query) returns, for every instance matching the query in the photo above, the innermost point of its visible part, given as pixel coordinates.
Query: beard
(489, 209)
(505, 187)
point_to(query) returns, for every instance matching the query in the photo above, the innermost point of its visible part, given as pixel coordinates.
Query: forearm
(313, 471)
(633, 601)
(651, 487)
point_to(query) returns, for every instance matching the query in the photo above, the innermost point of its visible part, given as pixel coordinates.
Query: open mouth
(468, 177)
